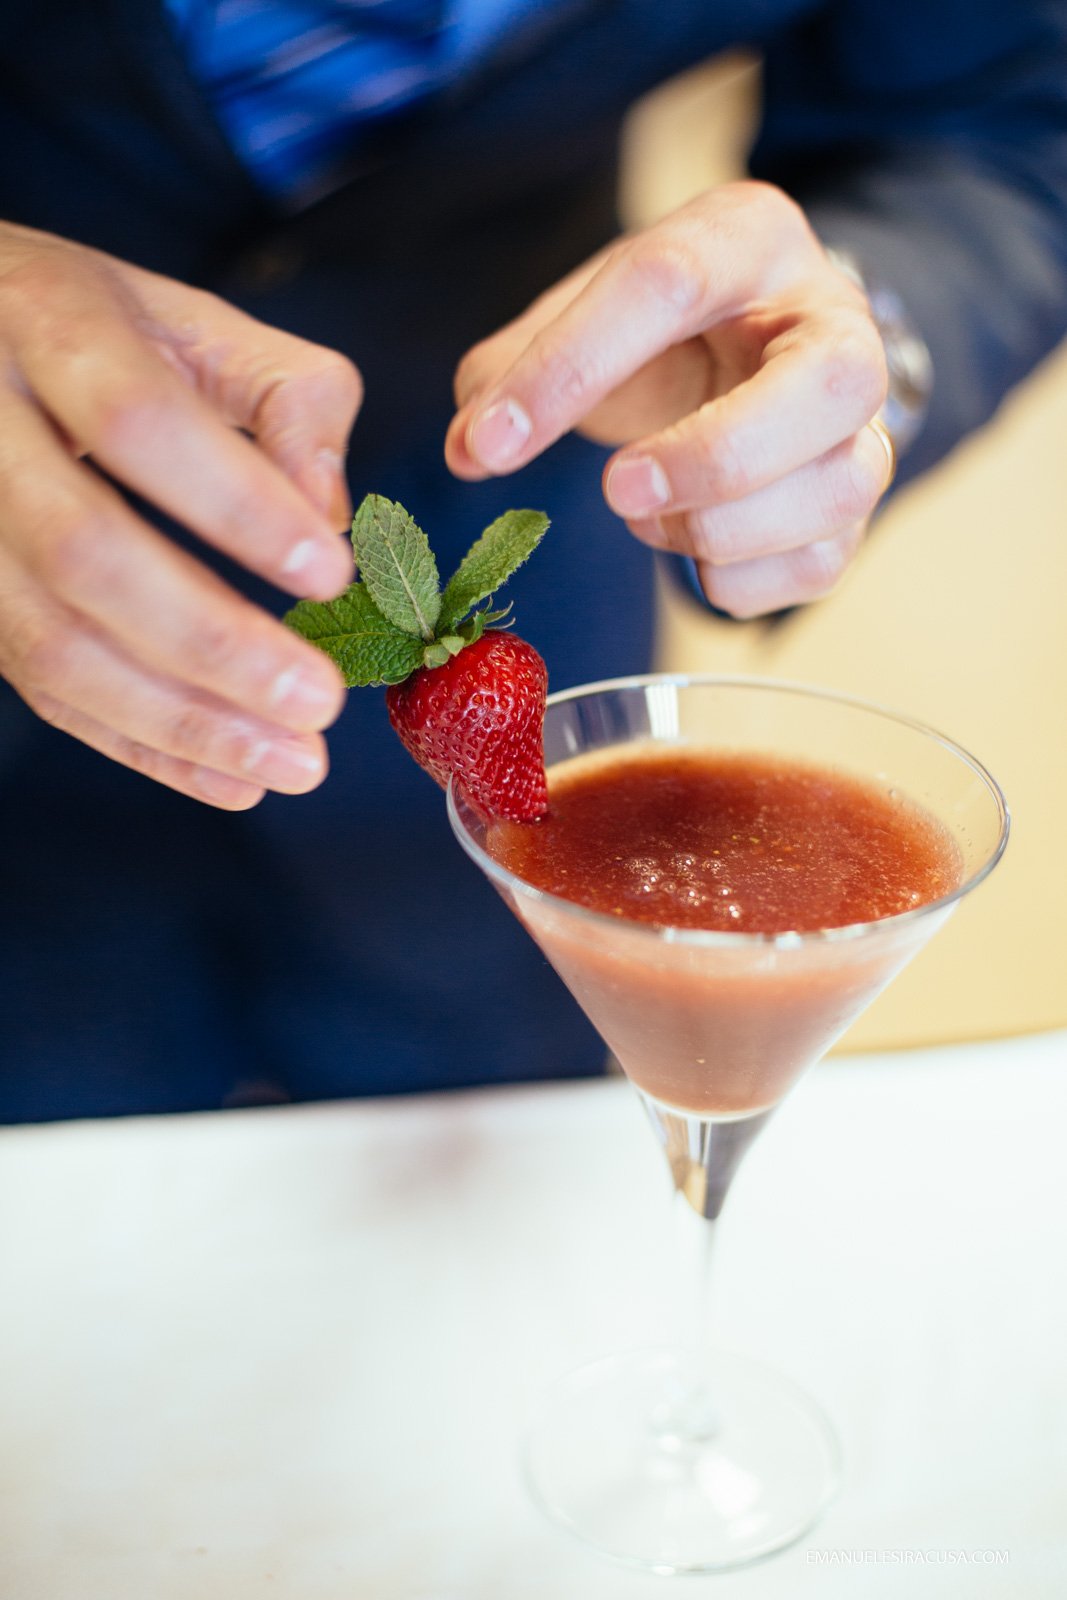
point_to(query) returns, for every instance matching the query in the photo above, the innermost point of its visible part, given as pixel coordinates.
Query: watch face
(908, 363)
(907, 357)
(910, 366)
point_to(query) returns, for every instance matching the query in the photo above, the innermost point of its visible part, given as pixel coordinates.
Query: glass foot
(633, 1456)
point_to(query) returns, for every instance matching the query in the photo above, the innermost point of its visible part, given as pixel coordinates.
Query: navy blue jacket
(157, 955)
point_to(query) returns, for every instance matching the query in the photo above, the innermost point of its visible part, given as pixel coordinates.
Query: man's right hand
(108, 630)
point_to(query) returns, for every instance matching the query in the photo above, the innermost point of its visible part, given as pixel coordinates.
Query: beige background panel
(954, 613)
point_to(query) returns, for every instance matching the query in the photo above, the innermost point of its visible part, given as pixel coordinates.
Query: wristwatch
(911, 370)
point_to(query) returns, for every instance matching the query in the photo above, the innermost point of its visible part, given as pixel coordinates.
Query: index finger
(86, 547)
(298, 399)
(653, 291)
(97, 374)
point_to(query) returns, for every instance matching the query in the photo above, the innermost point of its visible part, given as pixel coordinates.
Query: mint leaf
(394, 619)
(397, 565)
(489, 562)
(368, 648)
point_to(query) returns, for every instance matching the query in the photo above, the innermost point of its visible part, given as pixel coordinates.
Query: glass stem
(696, 1418)
(695, 1238)
(703, 1155)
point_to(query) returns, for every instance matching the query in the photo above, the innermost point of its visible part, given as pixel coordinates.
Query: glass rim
(713, 938)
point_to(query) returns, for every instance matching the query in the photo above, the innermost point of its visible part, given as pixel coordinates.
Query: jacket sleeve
(929, 138)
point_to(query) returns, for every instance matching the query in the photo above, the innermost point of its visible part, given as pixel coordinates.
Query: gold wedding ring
(881, 432)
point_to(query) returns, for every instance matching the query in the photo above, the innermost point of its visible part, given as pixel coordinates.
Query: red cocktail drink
(729, 872)
(731, 844)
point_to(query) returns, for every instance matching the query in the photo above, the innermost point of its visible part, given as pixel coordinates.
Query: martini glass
(690, 1459)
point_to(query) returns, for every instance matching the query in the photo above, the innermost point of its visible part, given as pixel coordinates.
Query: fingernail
(318, 568)
(304, 695)
(282, 764)
(498, 437)
(637, 486)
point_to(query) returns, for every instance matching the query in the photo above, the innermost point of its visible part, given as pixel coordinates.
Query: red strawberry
(465, 698)
(480, 717)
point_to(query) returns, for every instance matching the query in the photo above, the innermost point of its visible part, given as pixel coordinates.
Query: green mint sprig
(395, 618)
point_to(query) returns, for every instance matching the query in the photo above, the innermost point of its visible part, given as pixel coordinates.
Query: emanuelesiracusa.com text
(914, 1557)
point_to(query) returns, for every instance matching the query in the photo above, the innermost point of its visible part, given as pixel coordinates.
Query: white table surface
(287, 1353)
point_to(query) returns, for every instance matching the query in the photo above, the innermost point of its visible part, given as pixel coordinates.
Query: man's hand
(107, 629)
(738, 366)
